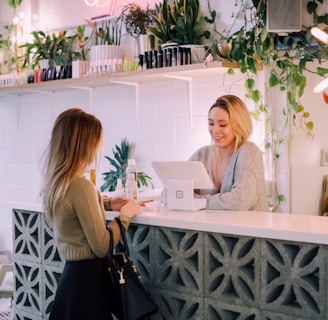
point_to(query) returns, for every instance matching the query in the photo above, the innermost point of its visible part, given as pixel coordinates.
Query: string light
(97, 3)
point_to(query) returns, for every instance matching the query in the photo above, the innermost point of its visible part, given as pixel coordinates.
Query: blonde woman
(234, 164)
(74, 210)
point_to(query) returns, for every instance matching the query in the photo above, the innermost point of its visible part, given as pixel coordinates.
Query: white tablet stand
(180, 179)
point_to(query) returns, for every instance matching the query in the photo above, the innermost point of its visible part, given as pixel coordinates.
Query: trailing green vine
(285, 59)
(6, 44)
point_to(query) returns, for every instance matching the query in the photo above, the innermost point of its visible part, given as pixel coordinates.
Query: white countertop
(293, 227)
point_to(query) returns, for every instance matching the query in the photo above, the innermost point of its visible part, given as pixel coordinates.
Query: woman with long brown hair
(74, 210)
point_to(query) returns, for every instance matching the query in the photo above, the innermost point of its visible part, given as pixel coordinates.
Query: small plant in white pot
(136, 20)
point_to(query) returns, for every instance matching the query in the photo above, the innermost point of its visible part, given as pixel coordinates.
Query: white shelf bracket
(7, 95)
(29, 90)
(189, 81)
(136, 85)
(90, 89)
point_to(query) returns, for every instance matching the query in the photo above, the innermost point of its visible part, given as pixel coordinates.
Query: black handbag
(130, 300)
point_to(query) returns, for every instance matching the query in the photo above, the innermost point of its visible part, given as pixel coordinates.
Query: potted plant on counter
(119, 163)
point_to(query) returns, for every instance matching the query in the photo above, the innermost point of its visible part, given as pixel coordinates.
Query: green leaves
(119, 163)
(14, 3)
(58, 49)
(163, 22)
(322, 71)
(136, 19)
(252, 93)
(285, 59)
(273, 80)
(143, 179)
(181, 22)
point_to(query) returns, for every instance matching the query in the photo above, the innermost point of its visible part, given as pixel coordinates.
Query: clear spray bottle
(131, 188)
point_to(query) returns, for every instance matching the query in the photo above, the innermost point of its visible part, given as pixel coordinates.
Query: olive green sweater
(79, 223)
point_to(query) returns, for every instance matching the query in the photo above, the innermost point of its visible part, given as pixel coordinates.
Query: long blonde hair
(239, 115)
(75, 139)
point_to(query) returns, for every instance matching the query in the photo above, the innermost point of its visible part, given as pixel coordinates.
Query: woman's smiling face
(220, 128)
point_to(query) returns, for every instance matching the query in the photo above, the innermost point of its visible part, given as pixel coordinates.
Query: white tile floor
(5, 309)
(6, 285)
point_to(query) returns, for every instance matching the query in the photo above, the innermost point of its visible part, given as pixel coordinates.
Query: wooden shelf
(187, 72)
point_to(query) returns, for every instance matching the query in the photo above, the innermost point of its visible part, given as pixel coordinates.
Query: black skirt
(83, 292)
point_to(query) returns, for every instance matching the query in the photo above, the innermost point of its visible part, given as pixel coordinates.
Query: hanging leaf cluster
(14, 3)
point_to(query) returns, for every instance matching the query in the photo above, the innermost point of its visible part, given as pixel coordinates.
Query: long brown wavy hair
(75, 140)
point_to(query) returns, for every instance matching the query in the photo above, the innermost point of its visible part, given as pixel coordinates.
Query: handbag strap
(124, 248)
(111, 244)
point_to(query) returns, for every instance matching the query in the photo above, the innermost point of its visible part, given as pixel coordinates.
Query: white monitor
(194, 170)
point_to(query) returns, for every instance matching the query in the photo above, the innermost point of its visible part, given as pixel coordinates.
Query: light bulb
(319, 34)
(21, 15)
(321, 86)
(90, 3)
(99, 4)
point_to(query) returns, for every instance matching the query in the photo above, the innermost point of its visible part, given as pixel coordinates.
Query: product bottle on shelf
(131, 188)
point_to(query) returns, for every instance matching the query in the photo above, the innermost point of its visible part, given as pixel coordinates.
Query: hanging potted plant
(136, 20)
(253, 45)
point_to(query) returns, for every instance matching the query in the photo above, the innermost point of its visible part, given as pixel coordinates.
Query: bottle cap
(131, 162)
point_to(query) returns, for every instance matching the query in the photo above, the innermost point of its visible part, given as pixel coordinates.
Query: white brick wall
(161, 131)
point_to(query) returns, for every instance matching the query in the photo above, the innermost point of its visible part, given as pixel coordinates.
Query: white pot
(168, 45)
(198, 52)
(105, 52)
(44, 64)
(79, 68)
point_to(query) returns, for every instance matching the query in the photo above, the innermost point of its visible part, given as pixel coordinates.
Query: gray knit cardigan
(243, 185)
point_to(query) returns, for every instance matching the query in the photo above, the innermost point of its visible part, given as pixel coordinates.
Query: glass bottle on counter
(131, 188)
(119, 192)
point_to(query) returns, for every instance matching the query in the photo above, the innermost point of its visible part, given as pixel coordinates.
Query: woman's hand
(131, 208)
(117, 203)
